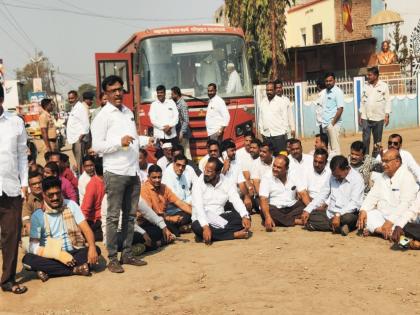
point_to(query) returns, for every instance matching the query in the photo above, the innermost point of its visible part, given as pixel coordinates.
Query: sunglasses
(396, 143)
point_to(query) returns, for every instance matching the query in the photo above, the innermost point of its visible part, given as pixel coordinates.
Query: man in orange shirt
(158, 196)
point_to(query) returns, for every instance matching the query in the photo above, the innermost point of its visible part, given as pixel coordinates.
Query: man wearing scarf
(57, 237)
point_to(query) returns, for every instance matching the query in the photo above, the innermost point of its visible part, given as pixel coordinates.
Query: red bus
(189, 57)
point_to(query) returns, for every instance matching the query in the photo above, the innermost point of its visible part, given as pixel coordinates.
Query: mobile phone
(404, 241)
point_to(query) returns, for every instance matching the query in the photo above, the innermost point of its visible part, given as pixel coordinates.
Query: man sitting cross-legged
(387, 203)
(160, 198)
(57, 246)
(320, 173)
(335, 207)
(213, 197)
(279, 196)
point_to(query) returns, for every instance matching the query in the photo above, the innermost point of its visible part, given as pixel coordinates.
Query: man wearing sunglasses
(395, 142)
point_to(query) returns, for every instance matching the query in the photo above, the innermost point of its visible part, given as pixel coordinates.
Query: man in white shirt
(180, 184)
(262, 165)
(114, 135)
(167, 157)
(395, 142)
(211, 220)
(213, 150)
(231, 166)
(319, 175)
(13, 186)
(217, 115)
(276, 119)
(84, 179)
(282, 196)
(234, 85)
(78, 125)
(164, 117)
(143, 165)
(387, 203)
(336, 205)
(375, 108)
(300, 162)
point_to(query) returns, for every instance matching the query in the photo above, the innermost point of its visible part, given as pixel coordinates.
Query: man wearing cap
(78, 125)
(167, 158)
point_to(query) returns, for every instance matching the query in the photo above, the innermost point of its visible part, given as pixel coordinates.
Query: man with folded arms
(335, 208)
(212, 219)
(387, 203)
(280, 191)
(57, 246)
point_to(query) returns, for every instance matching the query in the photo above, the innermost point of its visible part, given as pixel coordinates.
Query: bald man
(388, 202)
(282, 196)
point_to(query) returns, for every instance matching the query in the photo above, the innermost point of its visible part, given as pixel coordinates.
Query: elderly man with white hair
(234, 83)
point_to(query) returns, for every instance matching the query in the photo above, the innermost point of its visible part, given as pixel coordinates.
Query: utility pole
(36, 60)
(53, 83)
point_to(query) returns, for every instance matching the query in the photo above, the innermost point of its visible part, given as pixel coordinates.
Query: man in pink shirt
(51, 169)
(92, 201)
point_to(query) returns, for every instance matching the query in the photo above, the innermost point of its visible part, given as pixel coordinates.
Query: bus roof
(129, 45)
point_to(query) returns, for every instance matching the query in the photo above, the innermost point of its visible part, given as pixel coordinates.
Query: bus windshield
(191, 62)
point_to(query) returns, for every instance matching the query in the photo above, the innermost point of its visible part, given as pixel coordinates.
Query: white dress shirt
(375, 101)
(246, 160)
(163, 114)
(234, 84)
(315, 182)
(234, 174)
(143, 174)
(78, 123)
(13, 155)
(276, 116)
(409, 161)
(281, 195)
(217, 115)
(84, 180)
(180, 185)
(163, 162)
(393, 196)
(208, 198)
(260, 169)
(108, 128)
(303, 167)
(342, 197)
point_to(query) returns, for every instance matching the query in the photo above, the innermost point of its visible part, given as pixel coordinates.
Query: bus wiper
(195, 98)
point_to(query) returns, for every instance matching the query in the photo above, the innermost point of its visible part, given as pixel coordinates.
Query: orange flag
(347, 21)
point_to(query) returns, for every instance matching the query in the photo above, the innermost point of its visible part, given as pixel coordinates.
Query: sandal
(14, 288)
(82, 270)
(42, 276)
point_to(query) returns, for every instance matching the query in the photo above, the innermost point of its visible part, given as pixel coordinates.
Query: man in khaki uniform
(48, 129)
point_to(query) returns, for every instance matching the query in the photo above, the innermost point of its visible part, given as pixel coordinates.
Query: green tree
(30, 71)
(263, 22)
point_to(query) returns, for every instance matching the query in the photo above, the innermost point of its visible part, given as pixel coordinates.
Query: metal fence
(397, 86)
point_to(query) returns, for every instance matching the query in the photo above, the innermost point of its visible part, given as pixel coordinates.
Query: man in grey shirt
(182, 128)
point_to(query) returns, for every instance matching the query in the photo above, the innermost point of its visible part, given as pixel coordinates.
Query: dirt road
(290, 271)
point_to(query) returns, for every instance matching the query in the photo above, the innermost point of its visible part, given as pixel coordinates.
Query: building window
(317, 33)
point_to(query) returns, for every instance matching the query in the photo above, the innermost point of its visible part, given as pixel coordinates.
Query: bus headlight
(241, 129)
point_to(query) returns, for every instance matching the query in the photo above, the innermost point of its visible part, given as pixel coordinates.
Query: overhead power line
(15, 41)
(63, 10)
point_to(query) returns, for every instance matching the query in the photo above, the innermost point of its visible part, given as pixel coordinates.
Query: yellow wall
(320, 12)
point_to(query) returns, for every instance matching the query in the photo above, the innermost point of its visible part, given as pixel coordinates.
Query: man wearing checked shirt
(333, 103)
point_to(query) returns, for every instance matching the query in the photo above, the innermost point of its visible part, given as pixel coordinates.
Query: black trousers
(285, 216)
(412, 230)
(319, 221)
(53, 267)
(11, 225)
(174, 227)
(278, 143)
(234, 225)
(374, 127)
(153, 231)
(97, 230)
